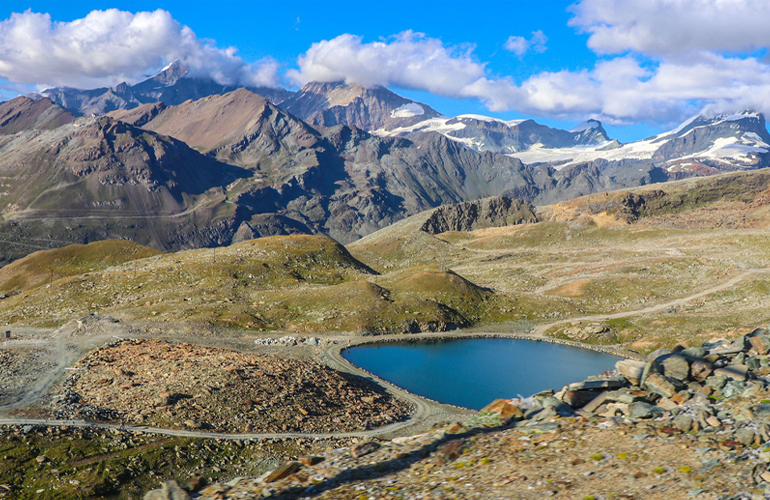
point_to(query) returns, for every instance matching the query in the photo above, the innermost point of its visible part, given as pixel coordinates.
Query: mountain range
(178, 162)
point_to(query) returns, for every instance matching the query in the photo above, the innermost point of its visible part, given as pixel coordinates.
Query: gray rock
(674, 366)
(169, 490)
(658, 353)
(640, 409)
(762, 410)
(745, 436)
(733, 388)
(735, 372)
(659, 384)
(716, 381)
(362, 449)
(597, 384)
(596, 402)
(631, 369)
(559, 406)
(490, 212)
(693, 352)
(700, 369)
(683, 423)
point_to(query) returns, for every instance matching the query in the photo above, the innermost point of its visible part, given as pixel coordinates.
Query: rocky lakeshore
(685, 423)
(184, 386)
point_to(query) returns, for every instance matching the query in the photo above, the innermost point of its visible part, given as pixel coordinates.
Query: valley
(184, 263)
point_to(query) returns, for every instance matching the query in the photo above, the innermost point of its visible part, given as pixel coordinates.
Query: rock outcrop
(470, 215)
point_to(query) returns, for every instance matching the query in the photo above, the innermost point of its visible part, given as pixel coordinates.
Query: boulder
(640, 409)
(169, 490)
(683, 423)
(631, 369)
(658, 353)
(659, 384)
(596, 402)
(363, 449)
(700, 369)
(597, 384)
(674, 366)
(578, 399)
(505, 408)
(283, 471)
(734, 388)
(693, 353)
(735, 372)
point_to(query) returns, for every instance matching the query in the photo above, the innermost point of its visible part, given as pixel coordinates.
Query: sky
(639, 66)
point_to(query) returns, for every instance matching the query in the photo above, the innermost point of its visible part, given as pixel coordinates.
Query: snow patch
(587, 125)
(407, 110)
(489, 119)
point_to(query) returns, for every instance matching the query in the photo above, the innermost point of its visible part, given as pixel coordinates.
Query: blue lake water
(473, 372)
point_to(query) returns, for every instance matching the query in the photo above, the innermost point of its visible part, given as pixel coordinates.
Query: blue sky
(639, 66)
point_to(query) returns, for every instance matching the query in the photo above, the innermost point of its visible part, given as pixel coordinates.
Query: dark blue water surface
(473, 372)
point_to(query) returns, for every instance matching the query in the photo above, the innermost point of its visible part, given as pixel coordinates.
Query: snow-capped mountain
(171, 86)
(368, 108)
(701, 145)
(482, 133)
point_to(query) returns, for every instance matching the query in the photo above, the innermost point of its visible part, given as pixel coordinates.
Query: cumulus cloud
(110, 46)
(666, 27)
(660, 61)
(408, 59)
(520, 45)
(617, 90)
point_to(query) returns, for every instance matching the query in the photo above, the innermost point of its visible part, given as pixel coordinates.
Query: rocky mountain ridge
(171, 86)
(702, 145)
(482, 133)
(336, 103)
(286, 176)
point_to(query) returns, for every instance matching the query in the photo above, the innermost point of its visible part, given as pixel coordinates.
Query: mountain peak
(587, 125)
(369, 108)
(172, 73)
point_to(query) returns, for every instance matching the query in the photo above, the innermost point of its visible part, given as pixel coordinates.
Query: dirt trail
(425, 414)
(540, 330)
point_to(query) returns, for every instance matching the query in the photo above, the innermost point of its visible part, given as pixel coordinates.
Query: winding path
(425, 410)
(539, 332)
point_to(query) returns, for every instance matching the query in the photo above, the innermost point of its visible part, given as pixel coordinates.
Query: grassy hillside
(45, 266)
(618, 252)
(295, 283)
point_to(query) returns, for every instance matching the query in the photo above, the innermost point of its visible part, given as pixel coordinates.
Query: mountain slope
(23, 113)
(100, 178)
(240, 128)
(337, 103)
(482, 133)
(701, 145)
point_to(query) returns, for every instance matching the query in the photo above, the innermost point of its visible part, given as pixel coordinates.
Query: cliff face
(470, 215)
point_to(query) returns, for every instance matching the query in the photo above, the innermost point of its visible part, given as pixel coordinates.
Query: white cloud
(407, 60)
(666, 27)
(110, 46)
(520, 45)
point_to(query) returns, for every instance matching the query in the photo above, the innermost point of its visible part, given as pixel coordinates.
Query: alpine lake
(471, 373)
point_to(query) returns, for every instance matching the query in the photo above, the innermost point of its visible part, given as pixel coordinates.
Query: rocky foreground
(685, 423)
(164, 384)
